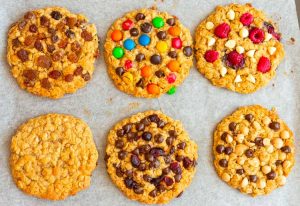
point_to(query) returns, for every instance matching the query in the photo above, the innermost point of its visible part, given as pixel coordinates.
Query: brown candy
(139, 17)
(56, 15)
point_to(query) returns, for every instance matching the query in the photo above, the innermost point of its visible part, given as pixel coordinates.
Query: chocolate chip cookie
(254, 150)
(150, 157)
(52, 51)
(238, 47)
(148, 53)
(53, 156)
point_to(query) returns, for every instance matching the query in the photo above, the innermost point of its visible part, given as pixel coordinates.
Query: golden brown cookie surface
(52, 51)
(150, 157)
(254, 150)
(53, 156)
(148, 53)
(238, 47)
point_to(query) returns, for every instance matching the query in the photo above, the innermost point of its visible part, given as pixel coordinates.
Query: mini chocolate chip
(44, 21)
(158, 138)
(181, 145)
(278, 162)
(171, 21)
(286, 149)
(167, 159)
(140, 83)
(259, 142)
(166, 171)
(140, 126)
(120, 71)
(136, 151)
(223, 163)
(139, 17)
(188, 51)
(138, 190)
(132, 136)
(78, 71)
(56, 15)
(119, 172)
(45, 83)
(172, 54)
(170, 140)
(23, 55)
(253, 178)
(162, 35)
(29, 15)
(146, 121)
(187, 162)
(140, 57)
(135, 160)
(147, 136)
(153, 193)
(149, 157)
(168, 180)
(240, 171)
(145, 148)
(155, 59)
(70, 34)
(155, 163)
(172, 150)
(161, 188)
(86, 77)
(127, 128)
(232, 126)
(128, 182)
(176, 168)
(223, 136)
(274, 126)
(271, 175)
(159, 73)
(122, 155)
(33, 28)
(142, 167)
(172, 133)
(69, 78)
(120, 132)
(38, 45)
(249, 117)
(54, 74)
(134, 32)
(161, 124)
(146, 27)
(50, 48)
(154, 118)
(16, 42)
(129, 173)
(119, 144)
(220, 149)
(22, 24)
(249, 153)
(228, 150)
(147, 177)
(177, 178)
(30, 74)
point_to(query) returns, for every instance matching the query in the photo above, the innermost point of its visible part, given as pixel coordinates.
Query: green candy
(172, 91)
(118, 52)
(158, 22)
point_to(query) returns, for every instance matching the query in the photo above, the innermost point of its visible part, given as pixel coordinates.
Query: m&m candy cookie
(148, 53)
(238, 47)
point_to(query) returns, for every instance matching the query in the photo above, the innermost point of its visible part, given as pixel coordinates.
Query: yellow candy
(127, 77)
(162, 47)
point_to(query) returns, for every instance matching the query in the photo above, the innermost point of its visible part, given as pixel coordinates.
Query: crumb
(133, 105)
(109, 100)
(291, 41)
(273, 85)
(292, 71)
(87, 112)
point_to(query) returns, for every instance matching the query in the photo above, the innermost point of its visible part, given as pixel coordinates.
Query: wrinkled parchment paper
(198, 104)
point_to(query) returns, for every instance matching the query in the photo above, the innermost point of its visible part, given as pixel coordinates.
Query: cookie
(52, 51)
(148, 53)
(53, 156)
(254, 150)
(150, 157)
(237, 47)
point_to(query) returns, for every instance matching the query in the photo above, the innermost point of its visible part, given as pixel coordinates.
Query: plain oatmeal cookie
(150, 157)
(52, 51)
(148, 53)
(254, 150)
(53, 156)
(237, 47)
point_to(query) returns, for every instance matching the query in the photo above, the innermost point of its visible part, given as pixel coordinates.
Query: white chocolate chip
(240, 49)
(245, 182)
(270, 148)
(250, 53)
(277, 142)
(266, 120)
(284, 134)
(271, 50)
(244, 33)
(238, 79)
(240, 138)
(268, 36)
(245, 130)
(209, 25)
(223, 71)
(226, 177)
(230, 14)
(261, 183)
(240, 149)
(241, 160)
(266, 141)
(256, 125)
(286, 164)
(254, 162)
(281, 180)
(251, 78)
(282, 156)
(229, 139)
(211, 41)
(266, 169)
(230, 44)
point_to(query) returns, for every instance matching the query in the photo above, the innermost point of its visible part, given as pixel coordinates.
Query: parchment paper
(198, 104)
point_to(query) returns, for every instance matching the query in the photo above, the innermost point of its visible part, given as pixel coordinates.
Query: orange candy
(153, 89)
(173, 65)
(146, 71)
(116, 35)
(174, 31)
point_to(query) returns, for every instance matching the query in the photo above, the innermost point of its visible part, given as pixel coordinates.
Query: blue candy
(129, 44)
(144, 40)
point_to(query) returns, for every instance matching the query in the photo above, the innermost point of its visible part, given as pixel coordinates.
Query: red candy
(257, 35)
(128, 64)
(171, 78)
(211, 56)
(176, 43)
(235, 60)
(222, 30)
(127, 24)
(246, 19)
(264, 64)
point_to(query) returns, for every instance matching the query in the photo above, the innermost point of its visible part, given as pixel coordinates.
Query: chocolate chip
(228, 150)
(54, 74)
(274, 126)
(149, 157)
(120, 71)
(119, 172)
(16, 42)
(147, 177)
(172, 54)
(134, 32)
(153, 193)
(30, 74)
(166, 171)
(119, 144)
(50, 48)
(188, 51)
(162, 35)
(171, 21)
(154, 164)
(78, 71)
(70, 34)
(23, 55)
(161, 124)
(167, 159)
(155, 59)
(249, 117)
(240, 171)
(38, 45)
(87, 36)
(129, 173)
(146, 27)
(29, 15)
(146, 121)
(147, 136)
(154, 118)
(158, 138)
(122, 155)
(181, 145)
(286, 149)
(56, 56)
(223, 136)
(138, 190)
(44, 21)
(220, 149)
(56, 15)
(278, 162)
(75, 47)
(140, 126)
(271, 175)
(249, 153)
(22, 25)
(259, 142)
(232, 126)
(177, 178)
(253, 178)
(136, 151)
(69, 78)
(170, 140)
(223, 163)
(140, 57)
(33, 28)
(142, 167)
(159, 73)
(132, 136)
(187, 162)
(71, 22)
(140, 83)
(86, 77)
(44, 61)
(172, 150)
(175, 167)
(128, 182)
(156, 151)
(135, 160)
(45, 83)
(144, 148)
(168, 180)
(139, 17)
(120, 132)
(127, 128)
(172, 133)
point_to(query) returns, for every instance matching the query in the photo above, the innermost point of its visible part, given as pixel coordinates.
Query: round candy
(172, 91)
(128, 64)
(158, 22)
(144, 40)
(171, 78)
(127, 24)
(146, 71)
(129, 44)
(173, 65)
(176, 43)
(118, 52)
(116, 35)
(153, 89)
(174, 31)
(127, 77)
(162, 46)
